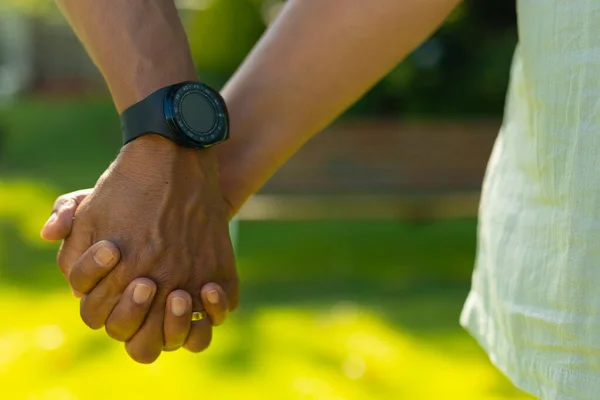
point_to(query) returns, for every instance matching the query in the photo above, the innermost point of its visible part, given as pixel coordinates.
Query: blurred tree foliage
(462, 71)
(222, 33)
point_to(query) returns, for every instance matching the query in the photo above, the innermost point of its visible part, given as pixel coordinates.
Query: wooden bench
(381, 170)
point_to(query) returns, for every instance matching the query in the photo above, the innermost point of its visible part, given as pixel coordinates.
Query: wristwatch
(190, 114)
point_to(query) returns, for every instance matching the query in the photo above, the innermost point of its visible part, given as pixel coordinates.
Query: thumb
(60, 222)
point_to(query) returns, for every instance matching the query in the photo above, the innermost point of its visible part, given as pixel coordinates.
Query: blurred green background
(331, 310)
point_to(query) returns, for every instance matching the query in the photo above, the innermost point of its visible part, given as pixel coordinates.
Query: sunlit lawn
(330, 310)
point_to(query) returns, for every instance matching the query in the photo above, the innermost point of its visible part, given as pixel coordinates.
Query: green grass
(330, 310)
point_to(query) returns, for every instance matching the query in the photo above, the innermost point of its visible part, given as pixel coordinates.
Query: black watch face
(198, 114)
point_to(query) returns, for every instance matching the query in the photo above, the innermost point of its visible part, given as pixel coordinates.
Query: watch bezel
(186, 135)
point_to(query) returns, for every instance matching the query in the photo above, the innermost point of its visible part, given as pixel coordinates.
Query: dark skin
(164, 226)
(128, 315)
(161, 204)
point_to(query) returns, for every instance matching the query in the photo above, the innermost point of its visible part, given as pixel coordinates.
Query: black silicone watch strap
(147, 116)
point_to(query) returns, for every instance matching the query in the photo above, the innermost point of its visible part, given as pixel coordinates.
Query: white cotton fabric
(535, 299)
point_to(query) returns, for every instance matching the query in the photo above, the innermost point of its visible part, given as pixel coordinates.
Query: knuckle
(91, 320)
(143, 355)
(118, 331)
(175, 337)
(79, 280)
(173, 344)
(198, 344)
(64, 205)
(171, 348)
(77, 286)
(91, 314)
(60, 201)
(163, 277)
(195, 348)
(111, 288)
(83, 278)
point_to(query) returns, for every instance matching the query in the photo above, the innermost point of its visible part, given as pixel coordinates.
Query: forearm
(314, 62)
(138, 45)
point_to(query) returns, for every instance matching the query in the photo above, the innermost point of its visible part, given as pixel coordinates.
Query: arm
(160, 203)
(317, 59)
(138, 45)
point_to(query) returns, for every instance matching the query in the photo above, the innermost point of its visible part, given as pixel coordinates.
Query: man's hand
(133, 306)
(162, 206)
(159, 203)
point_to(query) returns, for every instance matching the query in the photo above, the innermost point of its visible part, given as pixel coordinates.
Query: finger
(93, 265)
(75, 245)
(178, 318)
(60, 222)
(200, 332)
(72, 249)
(101, 301)
(215, 303)
(232, 291)
(145, 347)
(128, 315)
(200, 336)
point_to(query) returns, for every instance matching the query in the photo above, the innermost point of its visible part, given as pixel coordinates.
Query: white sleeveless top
(535, 299)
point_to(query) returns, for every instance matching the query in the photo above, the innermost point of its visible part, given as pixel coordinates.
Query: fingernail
(52, 219)
(77, 294)
(103, 256)
(179, 306)
(141, 293)
(212, 297)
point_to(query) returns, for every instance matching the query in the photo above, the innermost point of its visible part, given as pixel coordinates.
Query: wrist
(153, 158)
(262, 140)
(138, 87)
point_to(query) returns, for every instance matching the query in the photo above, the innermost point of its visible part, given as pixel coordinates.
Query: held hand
(132, 308)
(162, 206)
